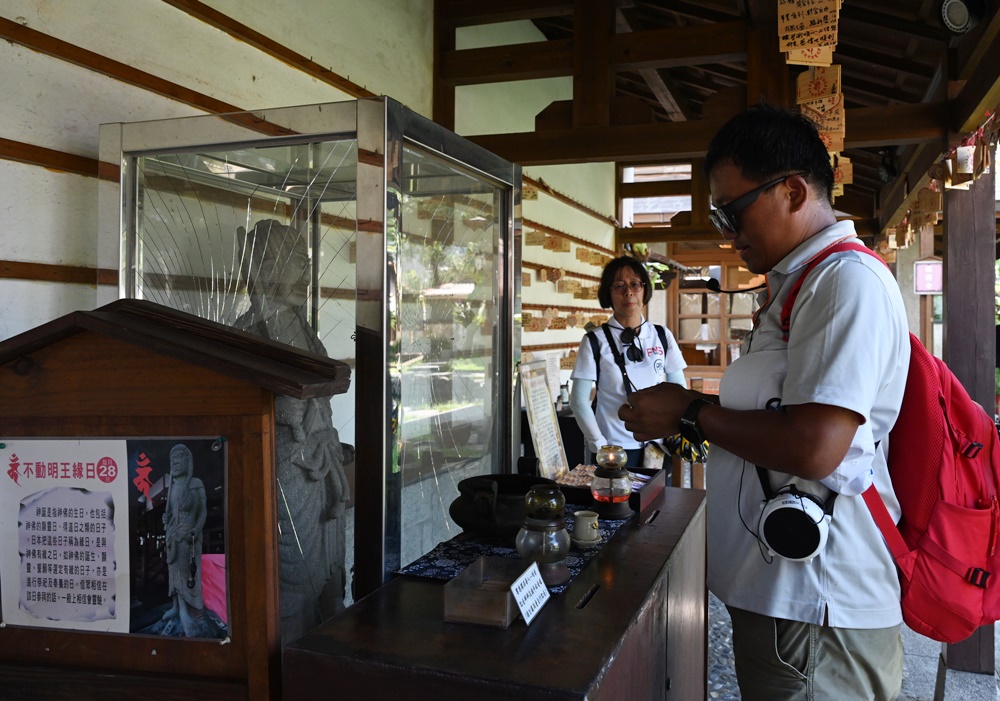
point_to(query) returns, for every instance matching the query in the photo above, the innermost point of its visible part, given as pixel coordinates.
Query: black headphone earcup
(794, 524)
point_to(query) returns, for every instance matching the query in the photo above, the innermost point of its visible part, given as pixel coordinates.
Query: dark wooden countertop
(396, 640)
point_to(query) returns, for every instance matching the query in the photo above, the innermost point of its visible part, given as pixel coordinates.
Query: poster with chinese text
(114, 535)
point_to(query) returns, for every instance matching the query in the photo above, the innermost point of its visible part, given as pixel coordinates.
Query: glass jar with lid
(612, 484)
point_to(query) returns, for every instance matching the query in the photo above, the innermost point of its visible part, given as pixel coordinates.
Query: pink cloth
(213, 584)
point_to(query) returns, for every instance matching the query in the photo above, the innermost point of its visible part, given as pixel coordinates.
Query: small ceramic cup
(585, 526)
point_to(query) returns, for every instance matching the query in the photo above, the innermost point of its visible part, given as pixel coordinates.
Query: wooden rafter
(870, 126)
(660, 84)
(462, 13)
(659, 48)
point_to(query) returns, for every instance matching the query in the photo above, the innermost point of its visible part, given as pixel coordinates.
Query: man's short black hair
(608, 279)
(766, 142)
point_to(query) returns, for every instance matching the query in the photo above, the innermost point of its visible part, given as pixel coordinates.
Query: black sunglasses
(628, 338)
(724, 217)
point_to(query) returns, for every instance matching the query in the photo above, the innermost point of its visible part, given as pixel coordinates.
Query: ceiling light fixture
(959, 16)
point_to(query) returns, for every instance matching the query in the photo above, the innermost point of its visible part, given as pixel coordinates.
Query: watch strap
(690, 415)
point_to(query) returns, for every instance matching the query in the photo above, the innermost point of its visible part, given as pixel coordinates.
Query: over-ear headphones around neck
(794, 524)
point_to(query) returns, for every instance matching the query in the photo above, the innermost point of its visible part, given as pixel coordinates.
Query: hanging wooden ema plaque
(807, 24)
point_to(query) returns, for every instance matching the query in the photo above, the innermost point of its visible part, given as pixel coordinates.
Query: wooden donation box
(138, 449)
(633, 624)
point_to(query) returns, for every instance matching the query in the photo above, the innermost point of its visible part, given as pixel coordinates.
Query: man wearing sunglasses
(813, 408)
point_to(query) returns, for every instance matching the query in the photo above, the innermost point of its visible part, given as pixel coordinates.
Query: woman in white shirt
(626, 354)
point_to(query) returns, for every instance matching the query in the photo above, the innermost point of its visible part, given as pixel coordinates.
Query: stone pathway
(722, 684)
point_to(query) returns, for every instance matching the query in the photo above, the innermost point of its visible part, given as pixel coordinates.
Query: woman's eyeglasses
(620, 287)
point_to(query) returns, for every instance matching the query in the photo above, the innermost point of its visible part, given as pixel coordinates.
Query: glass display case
(358, 230)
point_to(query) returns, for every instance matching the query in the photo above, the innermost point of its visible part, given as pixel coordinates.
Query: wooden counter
(632, 625)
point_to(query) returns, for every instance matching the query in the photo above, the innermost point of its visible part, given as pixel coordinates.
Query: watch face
(690, 432)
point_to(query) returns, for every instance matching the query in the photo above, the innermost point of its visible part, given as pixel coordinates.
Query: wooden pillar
(443, 98)
(767, 73)
(700, 194)
(970, 341)
(593, 79)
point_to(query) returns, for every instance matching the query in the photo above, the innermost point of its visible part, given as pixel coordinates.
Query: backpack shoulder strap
(595, 347)
(786, 309)
(619, 358)
(901, 553)
(893, 538)
(662, 333)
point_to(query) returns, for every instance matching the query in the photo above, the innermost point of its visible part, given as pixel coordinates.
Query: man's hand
(655, 412)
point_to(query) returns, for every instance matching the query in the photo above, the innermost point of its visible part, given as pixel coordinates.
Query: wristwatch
(689, 421)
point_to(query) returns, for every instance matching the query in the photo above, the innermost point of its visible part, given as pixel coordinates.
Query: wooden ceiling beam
(891, 23)
(981, 91)
(867, 127)
(896, 124)
(725, 74)
(883, 92)
(467, 13)
(660, 84)
(685, 233)
(658, 48)
(867, 228)
(696, 11)
(500, 64)
(655, 188)
(603, 144)
(855, 203)
(680, 46)
(893, 199)
(975, 45)
(874, 60)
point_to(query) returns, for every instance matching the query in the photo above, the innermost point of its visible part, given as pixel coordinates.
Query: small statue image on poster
(178, 562)
(183, 521)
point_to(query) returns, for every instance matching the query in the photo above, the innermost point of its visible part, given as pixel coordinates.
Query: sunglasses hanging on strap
(619, 359)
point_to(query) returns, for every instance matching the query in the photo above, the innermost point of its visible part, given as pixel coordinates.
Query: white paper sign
(552, 374)
(530, 592)
(542, 421)
(64, 534)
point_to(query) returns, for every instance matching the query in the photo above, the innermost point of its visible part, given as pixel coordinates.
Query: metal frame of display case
(383, 128)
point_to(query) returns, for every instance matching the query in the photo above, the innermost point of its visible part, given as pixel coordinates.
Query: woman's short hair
(611, 272)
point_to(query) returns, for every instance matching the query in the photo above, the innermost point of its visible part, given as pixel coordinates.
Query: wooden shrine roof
(274, 366)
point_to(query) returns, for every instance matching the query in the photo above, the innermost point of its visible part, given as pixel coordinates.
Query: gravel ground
(722, 684)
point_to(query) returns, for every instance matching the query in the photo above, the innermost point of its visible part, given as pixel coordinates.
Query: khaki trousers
(780, 660)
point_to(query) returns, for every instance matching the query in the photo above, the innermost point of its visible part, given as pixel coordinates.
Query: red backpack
(944, 463)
